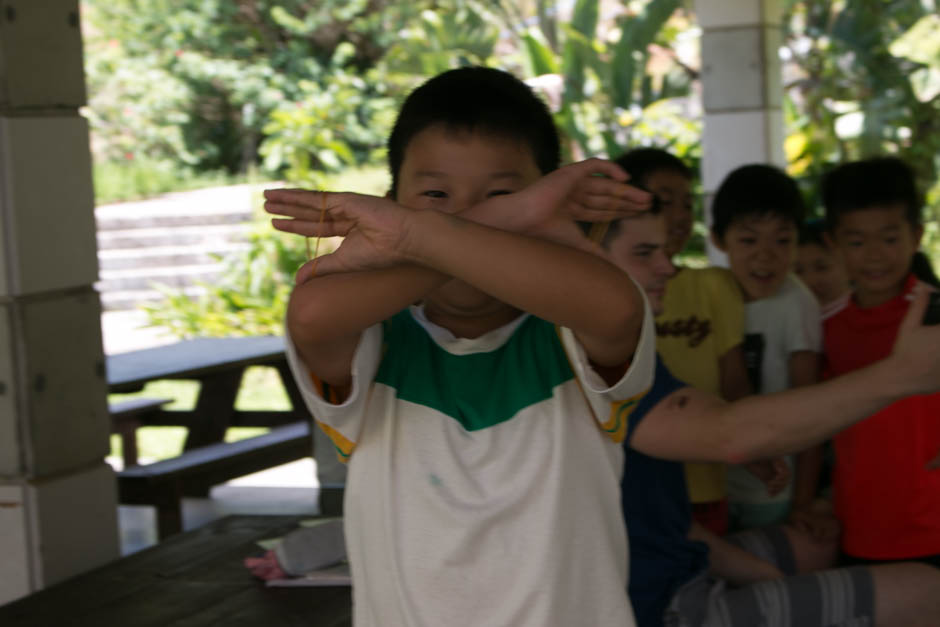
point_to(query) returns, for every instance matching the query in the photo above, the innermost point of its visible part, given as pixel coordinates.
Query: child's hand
(915, 356)
(774, 473)
(817, 521)
(594, 190)
(373, 228)
(265, 567)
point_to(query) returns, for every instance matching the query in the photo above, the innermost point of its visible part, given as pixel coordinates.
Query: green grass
(261, 390)
(117, 181)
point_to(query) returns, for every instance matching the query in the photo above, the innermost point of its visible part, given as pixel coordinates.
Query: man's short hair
(640, 163)
(869, 183)
(756, 190)
(477, 99)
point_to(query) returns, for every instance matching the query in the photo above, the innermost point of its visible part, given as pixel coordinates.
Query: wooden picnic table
(195, 579)
(218, 364)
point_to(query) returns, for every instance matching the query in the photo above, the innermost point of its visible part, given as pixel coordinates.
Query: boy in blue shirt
(484, 458)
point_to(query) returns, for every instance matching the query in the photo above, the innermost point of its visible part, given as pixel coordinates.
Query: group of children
(515, 395)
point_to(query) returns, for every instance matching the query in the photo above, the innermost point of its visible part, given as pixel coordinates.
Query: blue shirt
(656, 507)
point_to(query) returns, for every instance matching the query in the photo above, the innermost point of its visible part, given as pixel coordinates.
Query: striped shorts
(842, 597)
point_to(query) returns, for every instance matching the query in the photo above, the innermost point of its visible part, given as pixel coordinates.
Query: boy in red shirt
(886, 490)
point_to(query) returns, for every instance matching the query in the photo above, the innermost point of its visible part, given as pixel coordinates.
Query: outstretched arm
(690, 425)
(369, 281)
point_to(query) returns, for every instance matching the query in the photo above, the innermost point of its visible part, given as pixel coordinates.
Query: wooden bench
(163, 484)
(128, 416)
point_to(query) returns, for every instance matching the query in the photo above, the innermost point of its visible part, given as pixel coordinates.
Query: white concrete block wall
(72, 523)
(742, 91)
(15, 567)
(58, 514)
(45, 171)
(58, 60)
(64, 384)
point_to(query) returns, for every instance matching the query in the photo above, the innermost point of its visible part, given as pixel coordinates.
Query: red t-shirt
(889, 505)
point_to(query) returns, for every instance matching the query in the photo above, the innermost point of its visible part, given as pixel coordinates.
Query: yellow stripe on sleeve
(344, 447)
(616, 427)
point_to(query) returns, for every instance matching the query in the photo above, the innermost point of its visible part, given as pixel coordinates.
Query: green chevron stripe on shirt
(479, 390)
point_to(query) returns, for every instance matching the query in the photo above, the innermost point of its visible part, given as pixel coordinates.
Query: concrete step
(172, 236)
(148, 258)
(118, 300)
(212, 206)
(144, 279)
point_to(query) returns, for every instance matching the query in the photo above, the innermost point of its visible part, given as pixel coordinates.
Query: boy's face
(674, 192)
(760, 251)
(449, 171)
(822, 271)
(639, 248)
(876, 246)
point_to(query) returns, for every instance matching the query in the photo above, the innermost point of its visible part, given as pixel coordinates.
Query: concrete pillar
(57, 496)
(742, 91)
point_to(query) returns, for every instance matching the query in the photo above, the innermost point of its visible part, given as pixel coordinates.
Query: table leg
(214, 408)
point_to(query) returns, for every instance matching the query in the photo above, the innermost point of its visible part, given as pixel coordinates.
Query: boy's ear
(827, 239)
(918, 233)
(718, 241)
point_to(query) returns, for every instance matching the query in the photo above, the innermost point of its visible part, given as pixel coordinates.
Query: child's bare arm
(570, 287)
(327, 314)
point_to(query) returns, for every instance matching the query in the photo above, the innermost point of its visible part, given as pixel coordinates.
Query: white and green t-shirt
(482, 488)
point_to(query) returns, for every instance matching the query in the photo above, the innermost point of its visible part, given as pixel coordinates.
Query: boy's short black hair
(813, 232)
(756, 190)
(869, 183)
(477, 99)
(640, 163)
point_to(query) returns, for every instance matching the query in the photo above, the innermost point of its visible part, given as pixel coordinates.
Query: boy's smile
(760, 251)
(451, 170)
(876, 246)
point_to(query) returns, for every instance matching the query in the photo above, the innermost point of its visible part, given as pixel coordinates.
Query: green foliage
(249, 299)
(131, 179)
(868, 82)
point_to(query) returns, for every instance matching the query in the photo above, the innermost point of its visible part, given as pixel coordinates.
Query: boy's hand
(819, 524)
(594, 190)
(774, 473)
(916, 354)
(373, 228)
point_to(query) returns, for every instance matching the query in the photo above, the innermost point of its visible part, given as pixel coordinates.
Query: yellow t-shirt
(702, 319)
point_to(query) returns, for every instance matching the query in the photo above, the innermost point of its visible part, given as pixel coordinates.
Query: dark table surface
(195, 579)
(190, 359)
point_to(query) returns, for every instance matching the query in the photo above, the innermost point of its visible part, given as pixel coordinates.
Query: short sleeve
(727, 309)
(664, 384)
(342, 422)
(804, 320)
(612, 404)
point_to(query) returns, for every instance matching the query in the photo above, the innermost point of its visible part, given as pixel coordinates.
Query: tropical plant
(865, 80)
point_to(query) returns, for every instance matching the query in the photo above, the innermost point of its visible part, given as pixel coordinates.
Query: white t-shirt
(788, 322)
(481, 489)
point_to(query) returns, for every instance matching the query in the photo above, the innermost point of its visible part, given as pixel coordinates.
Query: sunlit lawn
(261, 389)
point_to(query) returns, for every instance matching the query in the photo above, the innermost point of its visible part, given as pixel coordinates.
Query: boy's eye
(747, 240)
(434, 193)
(890, 240)
(784, 241)
(499, 192)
